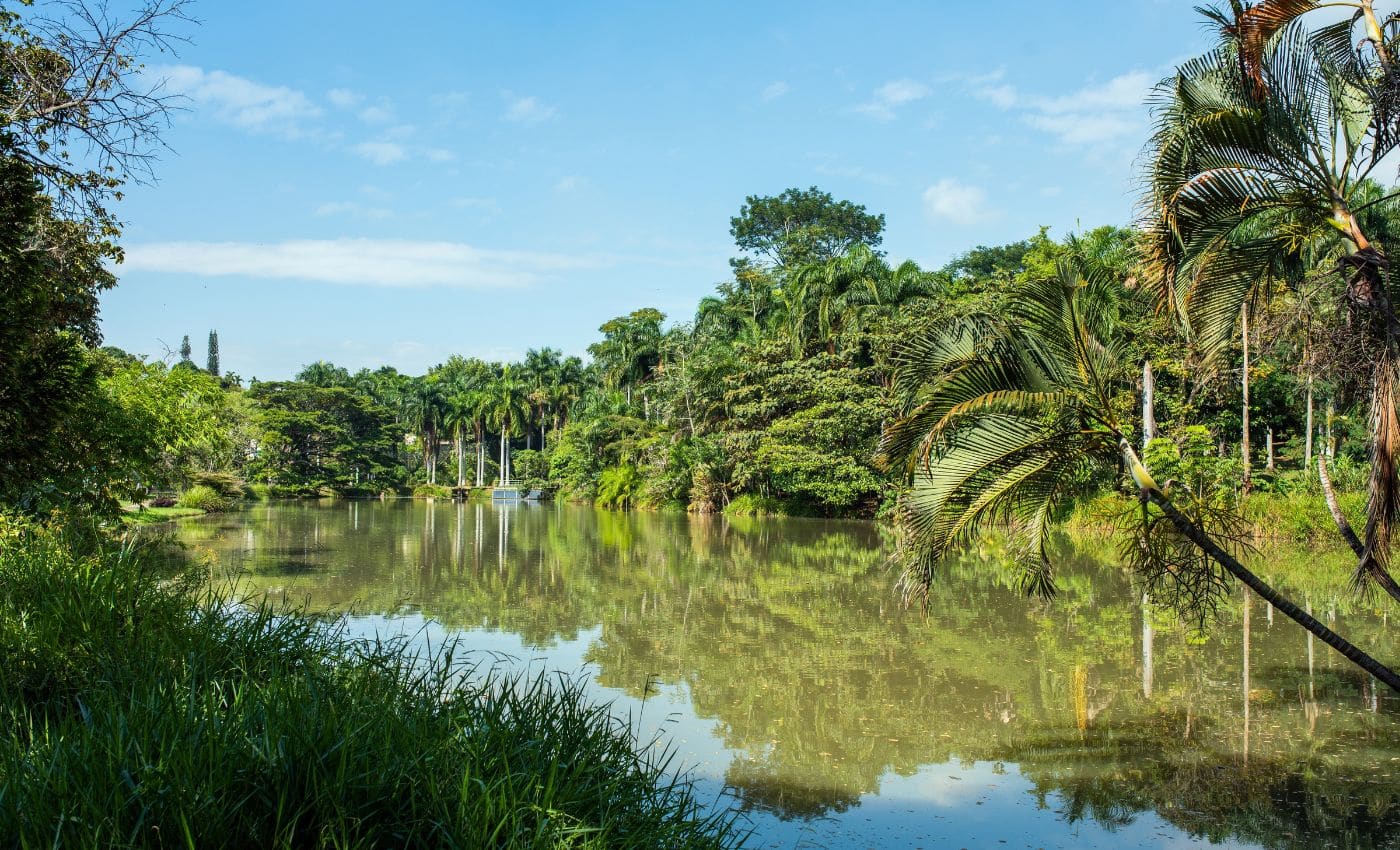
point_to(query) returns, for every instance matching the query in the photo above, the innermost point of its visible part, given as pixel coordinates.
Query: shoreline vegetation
(175, 717)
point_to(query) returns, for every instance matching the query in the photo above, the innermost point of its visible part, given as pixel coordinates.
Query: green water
(775, 658)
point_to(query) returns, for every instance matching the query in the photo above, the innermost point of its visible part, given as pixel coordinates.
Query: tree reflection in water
(787, 636)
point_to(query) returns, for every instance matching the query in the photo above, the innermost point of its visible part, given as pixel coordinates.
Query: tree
(803, 226)
(630, 349)
(313, 437)
(1011, 418)
(186, 351)
(76, 110)
(48, 377)
(1259, 170)
(509, 407)
(212, 360)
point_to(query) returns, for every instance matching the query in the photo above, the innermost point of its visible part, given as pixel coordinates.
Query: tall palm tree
(425, 404)
(1258, 170)
(1009, 418)
(509, 408)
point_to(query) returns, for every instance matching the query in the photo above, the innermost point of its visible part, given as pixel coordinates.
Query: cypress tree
(185, 350)
(212, 364)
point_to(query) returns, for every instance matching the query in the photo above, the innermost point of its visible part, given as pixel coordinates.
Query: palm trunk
(1308, 440)
(1244, 384)
(1149, 490)
(461, 460)
(1149, 393)
(1343, 525)
(1285, 606)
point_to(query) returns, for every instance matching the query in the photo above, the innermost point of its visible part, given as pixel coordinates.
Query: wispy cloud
(887, 99)
(773, 91)
(344, 98)
(240, 101)
(959, 203)
(381, 153)
(363, 262)
(527, 110)
(353, 209)
(570, 183)
(1103, 115)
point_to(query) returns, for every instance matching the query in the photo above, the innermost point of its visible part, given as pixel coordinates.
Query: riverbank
(135, 717)
(156, 516)
(1300, 518)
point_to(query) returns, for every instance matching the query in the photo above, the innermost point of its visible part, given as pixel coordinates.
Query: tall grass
(132, 717)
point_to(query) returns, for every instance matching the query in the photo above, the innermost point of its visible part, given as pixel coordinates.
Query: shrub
(162, 502)
(226, 484)
(619, 487)
(432, 491)
(752, 505)
(261, 492)
(205, 499)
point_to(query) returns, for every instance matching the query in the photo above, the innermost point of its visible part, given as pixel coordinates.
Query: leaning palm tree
(1009, 419)
(1258, 171)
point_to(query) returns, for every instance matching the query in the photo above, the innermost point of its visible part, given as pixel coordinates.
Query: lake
(775, 658)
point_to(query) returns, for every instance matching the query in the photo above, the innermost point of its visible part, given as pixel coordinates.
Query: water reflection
(782, 642)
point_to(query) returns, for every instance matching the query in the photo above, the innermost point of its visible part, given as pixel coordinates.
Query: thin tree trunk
(1149, 393)
(1343, 526)
(1269, 449)
(1308, 440)
(501, 473)
(461, 460)
(1244, 384)
(1285, 606)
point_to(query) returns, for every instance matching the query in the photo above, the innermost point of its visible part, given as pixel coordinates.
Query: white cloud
(570, 183)
(381, 153)
(527, 110)
(773, 91)
(365, 262)
(376, 115)
(439, 155)
(240, 101)
(956, 202)
(350, 208)
(891, 96)
(1096, 116)
(343, 98)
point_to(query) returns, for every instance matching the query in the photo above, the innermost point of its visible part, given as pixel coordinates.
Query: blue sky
(395, 183)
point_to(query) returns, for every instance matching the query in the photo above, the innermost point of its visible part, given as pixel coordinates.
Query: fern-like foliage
(1007, 419)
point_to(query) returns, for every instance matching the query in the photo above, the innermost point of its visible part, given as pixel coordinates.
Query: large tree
(802, 226)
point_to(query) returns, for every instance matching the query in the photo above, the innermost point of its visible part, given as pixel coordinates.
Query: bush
(205, 499)
(226, 484)
(233, 727)
(619, 487)
(432, 491)
(752, 505)
(162, 502)
(261, 492)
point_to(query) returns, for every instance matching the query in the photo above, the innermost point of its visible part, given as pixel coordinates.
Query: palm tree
(425, 407)
(1009, 419)
(509, 408)
(1259, 169)
(457, 417)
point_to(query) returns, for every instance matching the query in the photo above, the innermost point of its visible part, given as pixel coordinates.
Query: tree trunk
(461, 460)
(1149, 393)
(1343, 526)
(1269, 449)
(1244, 385)
(501, 473)
(1308, 440)
(1285, 606)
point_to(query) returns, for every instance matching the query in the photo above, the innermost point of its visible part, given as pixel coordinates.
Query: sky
(373, 183)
